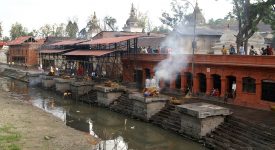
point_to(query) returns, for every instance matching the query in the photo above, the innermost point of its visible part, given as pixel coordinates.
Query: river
(117, 131)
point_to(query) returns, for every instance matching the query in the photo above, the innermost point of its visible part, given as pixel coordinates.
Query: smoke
(176, 61)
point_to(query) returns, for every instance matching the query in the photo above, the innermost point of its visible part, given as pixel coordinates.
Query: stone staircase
(236, 133)
(123, 104)
(19, 75)
(90, 97)
(167, 118)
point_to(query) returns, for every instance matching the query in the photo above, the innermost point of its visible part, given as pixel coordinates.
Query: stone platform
(47, 81)
(61, 85)
(107, 95)
(79, 88)
(146, 107)
(198, 119)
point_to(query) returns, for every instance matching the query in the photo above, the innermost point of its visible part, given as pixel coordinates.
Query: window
(249, 85)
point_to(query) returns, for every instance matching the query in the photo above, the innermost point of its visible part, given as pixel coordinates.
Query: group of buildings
(116, 55)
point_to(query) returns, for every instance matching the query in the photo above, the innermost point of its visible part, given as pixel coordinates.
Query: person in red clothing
(269, 50)
(80, 71)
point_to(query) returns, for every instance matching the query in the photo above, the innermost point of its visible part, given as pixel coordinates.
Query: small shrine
(132, 22)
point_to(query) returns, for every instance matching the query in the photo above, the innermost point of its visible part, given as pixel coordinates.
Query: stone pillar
(183, 82)
(195, 84)
(258, 89)
(223, 86)
(209, 84)
(239, 86)
(172, 84)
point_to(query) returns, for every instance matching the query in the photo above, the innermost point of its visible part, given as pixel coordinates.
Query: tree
(46, 30)
(111, 23)
(249, 15)
(160, 29)
(59, 30)
(5, 38)
(1, 30)
(72, 29)
(177, 15)
(17, 30)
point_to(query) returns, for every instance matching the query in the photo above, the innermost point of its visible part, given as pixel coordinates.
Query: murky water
(117, 131)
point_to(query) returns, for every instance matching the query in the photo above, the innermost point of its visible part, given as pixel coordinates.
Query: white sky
(35, 13)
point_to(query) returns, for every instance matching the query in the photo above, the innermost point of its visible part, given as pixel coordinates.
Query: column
(239, 86)
(223, 86)
(172, 84)
(258, 89)
(183, 82)
(209, 84)
(195, 84)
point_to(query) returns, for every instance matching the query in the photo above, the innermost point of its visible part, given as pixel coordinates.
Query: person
(224, 50)
(233, 89)
(241, 51)
(232, 50)
(252, 51)
(263, 51)
(225, 98)
(269, 50)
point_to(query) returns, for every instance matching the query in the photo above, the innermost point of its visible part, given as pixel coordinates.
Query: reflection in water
(116, 131)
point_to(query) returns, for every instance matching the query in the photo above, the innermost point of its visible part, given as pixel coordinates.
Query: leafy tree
(46, 30)
(17, 30)
(5, 38)
(111, 23)
(177, 15)
(1, 30)
(34, 33)
(249, 15)
(160, 29)
(72, 29)
(82, 34)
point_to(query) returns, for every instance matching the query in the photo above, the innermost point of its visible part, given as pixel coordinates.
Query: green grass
(8, 138)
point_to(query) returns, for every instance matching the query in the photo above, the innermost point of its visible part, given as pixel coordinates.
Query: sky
(35, 13)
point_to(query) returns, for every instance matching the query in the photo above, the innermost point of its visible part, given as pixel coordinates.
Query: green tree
(72, 29)
(5, 38)
(249, 15)
(177, 14)
(17, 30)
(59, 30)
(46, 30)
(160, 29)
(1, 30)
(111, 23)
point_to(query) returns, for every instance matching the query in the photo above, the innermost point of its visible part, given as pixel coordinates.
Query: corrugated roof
(2, 43)
(109, 40)
(68, 42)
(153, 42)
(52, 51)
(19, 40)
(88, 53)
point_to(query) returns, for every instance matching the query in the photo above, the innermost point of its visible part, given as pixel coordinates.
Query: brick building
(23, 51)
(254, 76)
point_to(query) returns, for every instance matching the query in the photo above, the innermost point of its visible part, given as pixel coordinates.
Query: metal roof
(68, 42)
(19, 40)
(52, 51)
(88, 53)
(109, 40)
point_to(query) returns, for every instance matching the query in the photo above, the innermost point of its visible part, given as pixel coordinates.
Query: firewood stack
(152, 91)
(111, 84)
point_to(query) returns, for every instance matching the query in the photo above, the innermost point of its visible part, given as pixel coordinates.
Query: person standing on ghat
(224, 50)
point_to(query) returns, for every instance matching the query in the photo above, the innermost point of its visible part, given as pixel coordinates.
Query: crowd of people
(252, 51)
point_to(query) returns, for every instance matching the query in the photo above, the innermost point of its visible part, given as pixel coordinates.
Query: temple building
(132, 22)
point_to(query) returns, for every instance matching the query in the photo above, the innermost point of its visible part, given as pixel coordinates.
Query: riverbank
(35, 129)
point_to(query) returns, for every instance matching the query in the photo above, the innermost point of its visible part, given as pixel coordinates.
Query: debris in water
(78, 111)
(133, 127)
(48, 137)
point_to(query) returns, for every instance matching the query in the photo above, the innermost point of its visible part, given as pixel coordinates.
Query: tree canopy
(1, 30)
(111, 23)
(17, 30)
(72, 29)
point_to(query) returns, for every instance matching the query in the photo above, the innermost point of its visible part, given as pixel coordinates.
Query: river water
(118, 132)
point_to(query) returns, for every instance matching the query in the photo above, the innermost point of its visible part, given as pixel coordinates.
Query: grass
(9, 137)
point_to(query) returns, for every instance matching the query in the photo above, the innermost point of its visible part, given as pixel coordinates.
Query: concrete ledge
(202, 110)
(106, 89)
(141, 98)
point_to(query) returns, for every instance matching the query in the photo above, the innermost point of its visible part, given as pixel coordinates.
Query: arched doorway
(178, 81)
(216, 82)
(231, 86)
(202, 82)
(147, 73)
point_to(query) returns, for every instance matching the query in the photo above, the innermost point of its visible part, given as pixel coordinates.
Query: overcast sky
(35, 13)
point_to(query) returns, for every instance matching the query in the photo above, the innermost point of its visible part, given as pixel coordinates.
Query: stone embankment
(233, 133)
